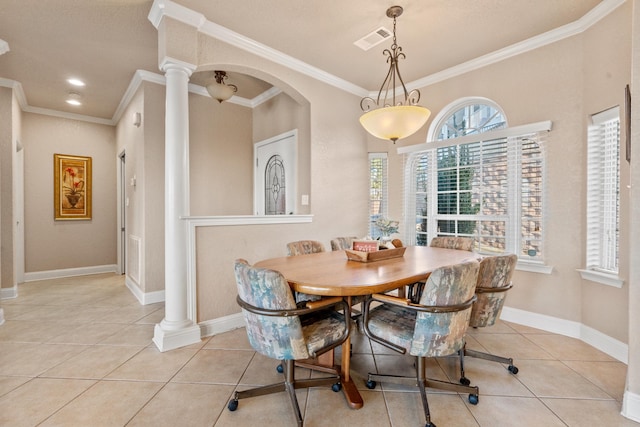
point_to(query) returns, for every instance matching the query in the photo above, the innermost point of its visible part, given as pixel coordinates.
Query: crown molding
(592, 17)
(163, 8)
(24, 106)
(238, 40)
(265, 96)
(65, 115)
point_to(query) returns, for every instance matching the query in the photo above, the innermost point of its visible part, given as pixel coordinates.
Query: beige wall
(130, 141)
(7, 144)
(54, 245)
(338, 180)
(607, 69)
(144, 148)
(564, 82)
(154, 101)
(559, 82)
(281, 114)
(220, 157)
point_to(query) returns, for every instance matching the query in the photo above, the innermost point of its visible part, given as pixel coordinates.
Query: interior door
(275, 175)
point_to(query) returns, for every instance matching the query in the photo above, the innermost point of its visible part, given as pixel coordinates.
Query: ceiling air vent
(374, 38)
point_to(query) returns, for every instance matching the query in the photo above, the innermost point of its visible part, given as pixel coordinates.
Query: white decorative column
(176, 329)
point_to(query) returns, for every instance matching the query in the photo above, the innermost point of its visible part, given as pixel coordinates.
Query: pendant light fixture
(218, 89)
(391, 117)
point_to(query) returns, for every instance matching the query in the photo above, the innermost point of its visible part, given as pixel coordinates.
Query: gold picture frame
(71, 187)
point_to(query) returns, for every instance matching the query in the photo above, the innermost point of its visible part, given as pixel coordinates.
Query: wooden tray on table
(378, 255)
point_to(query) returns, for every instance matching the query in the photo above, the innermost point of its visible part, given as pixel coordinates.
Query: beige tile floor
(78, 352)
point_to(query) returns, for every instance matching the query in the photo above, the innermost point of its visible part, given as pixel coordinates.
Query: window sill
(534, 267)
(208, 221)
(602, 278)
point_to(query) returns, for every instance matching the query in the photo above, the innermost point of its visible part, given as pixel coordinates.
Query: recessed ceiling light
(74, 99)
(76, 82)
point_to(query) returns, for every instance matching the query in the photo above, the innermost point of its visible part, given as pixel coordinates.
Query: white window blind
(491, 189)
(378, 197)
(603, 191)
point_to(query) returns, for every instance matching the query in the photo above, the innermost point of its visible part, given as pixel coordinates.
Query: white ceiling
(104, 42)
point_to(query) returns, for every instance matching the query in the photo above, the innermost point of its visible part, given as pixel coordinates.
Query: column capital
(168, 63)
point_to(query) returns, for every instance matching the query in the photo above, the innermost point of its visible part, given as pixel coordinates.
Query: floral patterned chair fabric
(303, 247)
(434, 327)
(453, 242)
(446, 242)
(279, 329)
(494, 276)
(494, 280)
(342, 243)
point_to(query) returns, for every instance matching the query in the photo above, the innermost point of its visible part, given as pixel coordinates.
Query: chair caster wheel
(233, 405)
(473, 399)
(280, 368)
(513, 369)
(336, 387)
(465, 381)
(429, 425)
(370, 384)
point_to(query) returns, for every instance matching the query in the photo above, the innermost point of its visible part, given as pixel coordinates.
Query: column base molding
(631, 406)
(167, 340)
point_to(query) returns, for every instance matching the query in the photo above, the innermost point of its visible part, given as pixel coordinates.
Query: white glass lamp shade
(220, 91)
(396, 122)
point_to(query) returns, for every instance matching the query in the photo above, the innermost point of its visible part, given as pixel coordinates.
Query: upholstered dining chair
(494, 280)
(304, 247)
(435, 327)
(342, 243)
(446, 242)
(277, 328)
(453, 242)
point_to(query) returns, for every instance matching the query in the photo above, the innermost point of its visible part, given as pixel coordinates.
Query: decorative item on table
(387, 227)
(365, 245)
(374, 255)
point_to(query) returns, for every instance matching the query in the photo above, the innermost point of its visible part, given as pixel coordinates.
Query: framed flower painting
(71, 187)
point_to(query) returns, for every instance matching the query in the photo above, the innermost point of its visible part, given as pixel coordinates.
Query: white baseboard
(144, 298)
(593, 337)
(221, 324)
(69, 272)
(8, 293)
(631, 406)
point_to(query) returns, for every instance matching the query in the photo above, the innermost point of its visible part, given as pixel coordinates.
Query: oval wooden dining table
(332, 274)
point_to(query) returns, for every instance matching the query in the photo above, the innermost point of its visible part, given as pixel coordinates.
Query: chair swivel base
(480, 355)
(485, 356)
(290, 384)
(423, 383)
(373, 379)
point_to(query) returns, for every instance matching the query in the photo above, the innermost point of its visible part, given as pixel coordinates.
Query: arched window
(478, 178)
